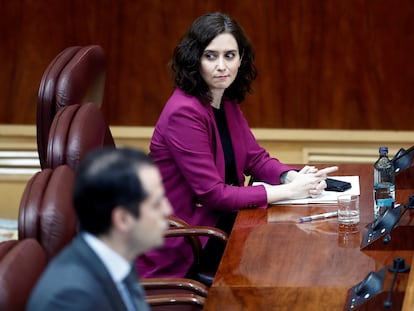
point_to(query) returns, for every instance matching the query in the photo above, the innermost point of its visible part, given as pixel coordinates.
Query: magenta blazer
(186, 148)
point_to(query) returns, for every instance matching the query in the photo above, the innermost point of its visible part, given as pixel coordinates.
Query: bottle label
(385, 202)
(384, 192)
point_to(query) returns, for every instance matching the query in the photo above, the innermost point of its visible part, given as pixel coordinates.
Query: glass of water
(348, 209)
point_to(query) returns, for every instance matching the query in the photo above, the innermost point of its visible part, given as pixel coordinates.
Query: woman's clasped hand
(308, 182)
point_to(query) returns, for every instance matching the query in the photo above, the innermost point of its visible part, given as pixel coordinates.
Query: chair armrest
(180, 228)
(211, 232)
(175, 283)
(177, 222)
(175, 299)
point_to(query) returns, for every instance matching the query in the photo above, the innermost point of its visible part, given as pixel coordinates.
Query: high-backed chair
(176, 302)
(74, 77)
(46, 210)
(75, 131)
(180, 228)
(47, 214)
(78, 129)
(21, 264)
(183, 294)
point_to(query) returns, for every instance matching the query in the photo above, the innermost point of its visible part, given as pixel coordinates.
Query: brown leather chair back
(75, 76)
(46, 210)
(75, 131)
(21, 264)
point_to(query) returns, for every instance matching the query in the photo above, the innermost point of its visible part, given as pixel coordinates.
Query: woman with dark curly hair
(204, 147)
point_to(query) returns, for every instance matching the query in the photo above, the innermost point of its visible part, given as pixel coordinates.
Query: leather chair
(75, 131)
(78, 129)
(176, 302)
(21, 264)
(46, 214)
(180, 228)
(74, 77)
(46, 211)
(170, 294)
(184, 294)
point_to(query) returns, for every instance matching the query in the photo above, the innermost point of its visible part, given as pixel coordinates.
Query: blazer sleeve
(190, 136)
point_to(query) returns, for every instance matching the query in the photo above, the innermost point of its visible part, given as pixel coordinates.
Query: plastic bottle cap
(383, 150)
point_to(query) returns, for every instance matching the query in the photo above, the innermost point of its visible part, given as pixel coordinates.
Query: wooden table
(273, 262)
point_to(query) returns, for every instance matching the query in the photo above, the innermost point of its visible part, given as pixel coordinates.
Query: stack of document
(326, 196)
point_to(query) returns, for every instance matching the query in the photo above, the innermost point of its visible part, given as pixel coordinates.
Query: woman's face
(220, 62)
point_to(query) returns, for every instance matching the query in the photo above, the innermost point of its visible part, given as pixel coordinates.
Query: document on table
(326, 196)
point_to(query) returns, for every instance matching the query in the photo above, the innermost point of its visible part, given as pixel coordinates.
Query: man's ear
(121, 219)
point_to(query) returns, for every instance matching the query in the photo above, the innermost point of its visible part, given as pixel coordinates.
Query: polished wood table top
(274, 262)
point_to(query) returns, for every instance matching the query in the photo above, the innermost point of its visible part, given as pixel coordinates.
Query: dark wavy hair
(105, 179)
(185, 62)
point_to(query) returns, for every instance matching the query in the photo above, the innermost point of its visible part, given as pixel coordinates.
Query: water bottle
(384, 183)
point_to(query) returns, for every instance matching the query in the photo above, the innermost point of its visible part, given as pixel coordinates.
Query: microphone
(365, 290)
(387, 238)
(385, 223)
(407, 206)
(402, 160)
(397, 267)
(383, 226)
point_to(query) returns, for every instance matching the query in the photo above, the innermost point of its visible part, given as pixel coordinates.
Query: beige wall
(18, 156)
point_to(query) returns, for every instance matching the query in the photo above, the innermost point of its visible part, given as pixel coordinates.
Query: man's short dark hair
(105, 179)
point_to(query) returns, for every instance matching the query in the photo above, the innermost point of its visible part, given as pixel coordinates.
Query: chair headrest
(75, 76)
(82, 80)
(76, 130)
(46, 211)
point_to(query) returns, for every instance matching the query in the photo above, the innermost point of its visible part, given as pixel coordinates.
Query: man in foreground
(122, 209)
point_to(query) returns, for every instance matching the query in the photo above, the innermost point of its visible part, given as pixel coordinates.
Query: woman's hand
(308, 182)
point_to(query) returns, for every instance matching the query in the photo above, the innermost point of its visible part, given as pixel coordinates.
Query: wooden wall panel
(322, 64)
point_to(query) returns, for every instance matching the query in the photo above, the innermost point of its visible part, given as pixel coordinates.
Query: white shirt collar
(117, 266)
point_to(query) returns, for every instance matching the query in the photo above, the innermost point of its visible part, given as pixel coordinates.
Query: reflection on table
(273, 262)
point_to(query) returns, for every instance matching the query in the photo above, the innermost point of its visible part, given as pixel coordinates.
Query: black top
(221, 121)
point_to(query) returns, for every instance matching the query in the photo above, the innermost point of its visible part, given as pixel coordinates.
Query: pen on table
(318, 216)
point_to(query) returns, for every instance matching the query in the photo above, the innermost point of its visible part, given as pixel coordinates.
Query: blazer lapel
(102, 275)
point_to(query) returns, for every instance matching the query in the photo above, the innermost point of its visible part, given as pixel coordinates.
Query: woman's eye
(210, 56)
(231, 55)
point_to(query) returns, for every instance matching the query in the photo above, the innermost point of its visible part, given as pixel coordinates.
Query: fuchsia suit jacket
(187, 149)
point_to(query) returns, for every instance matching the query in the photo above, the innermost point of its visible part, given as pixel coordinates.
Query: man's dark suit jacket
(77, 280)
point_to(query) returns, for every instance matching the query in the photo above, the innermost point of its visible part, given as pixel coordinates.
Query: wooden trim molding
(18, 149)
(19, 159)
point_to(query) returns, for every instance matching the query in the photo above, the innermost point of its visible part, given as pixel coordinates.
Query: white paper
(326, 196)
